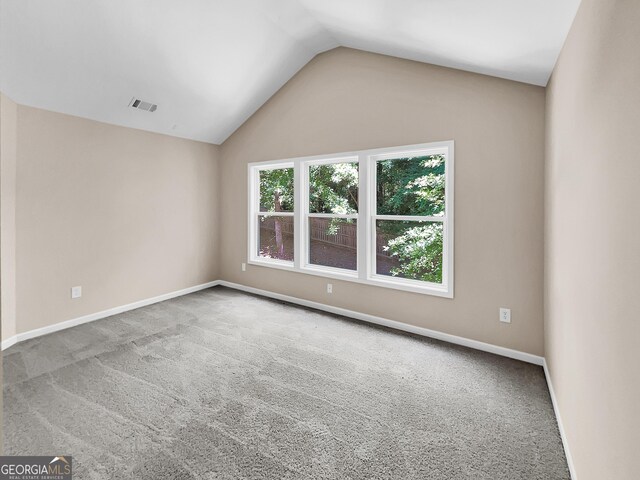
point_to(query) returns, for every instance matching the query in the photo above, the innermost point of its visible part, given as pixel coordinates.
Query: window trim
(366, 217)
(255, 213)
(305, 252)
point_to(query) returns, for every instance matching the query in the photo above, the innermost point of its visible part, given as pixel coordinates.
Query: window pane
(411, 186)
(275, 237)
(276, 190)
(333, 243)
(409, 250)
(333, 188)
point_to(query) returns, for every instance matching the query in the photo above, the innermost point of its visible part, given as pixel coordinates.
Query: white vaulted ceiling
(209, 64)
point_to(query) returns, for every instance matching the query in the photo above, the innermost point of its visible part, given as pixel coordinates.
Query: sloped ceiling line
(209, 65)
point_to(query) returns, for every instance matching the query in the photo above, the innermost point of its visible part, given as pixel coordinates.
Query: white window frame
(366, 217)
(305, 260)
(255, 214)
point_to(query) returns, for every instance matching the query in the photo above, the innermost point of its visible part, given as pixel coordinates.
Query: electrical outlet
(505, 315)
(76, 292)
(244, 267)
(329, 287)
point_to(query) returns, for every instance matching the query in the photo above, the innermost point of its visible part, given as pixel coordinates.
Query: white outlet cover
(76, 292)
(244, 267)
(505, 315)
(329, 287)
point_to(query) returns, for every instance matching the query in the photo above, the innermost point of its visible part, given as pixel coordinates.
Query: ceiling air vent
(142, 105)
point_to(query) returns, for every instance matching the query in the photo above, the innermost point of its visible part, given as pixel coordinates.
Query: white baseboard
(485, 347)
(20, 337)
(9, 342)
(556, 409)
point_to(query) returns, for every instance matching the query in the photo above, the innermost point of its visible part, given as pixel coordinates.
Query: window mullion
(332, 215)
(299, 207)
(275, 214)
(363, 217)
(412, 218)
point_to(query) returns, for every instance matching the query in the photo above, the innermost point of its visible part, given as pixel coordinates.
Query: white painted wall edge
(556, 409)
(103, 314)
(466, 342)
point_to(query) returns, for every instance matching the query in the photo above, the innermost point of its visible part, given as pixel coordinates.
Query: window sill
(412, 286)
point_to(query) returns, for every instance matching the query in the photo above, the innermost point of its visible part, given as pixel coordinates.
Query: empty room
(320, 239)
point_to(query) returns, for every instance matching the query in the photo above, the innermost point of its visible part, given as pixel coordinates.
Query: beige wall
(592, 325)
(350, 100)
(126, 214)
(8, 120)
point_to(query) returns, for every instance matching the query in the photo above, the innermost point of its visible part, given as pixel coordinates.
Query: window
(273, 222)
(331, 213)
(381, 217)
(410, 208)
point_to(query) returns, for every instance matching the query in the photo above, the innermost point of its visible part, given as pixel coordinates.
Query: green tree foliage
(412, 186)
(405, 186)
(276, 195)
(333, 188)
(418, 250)
(276, 190)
